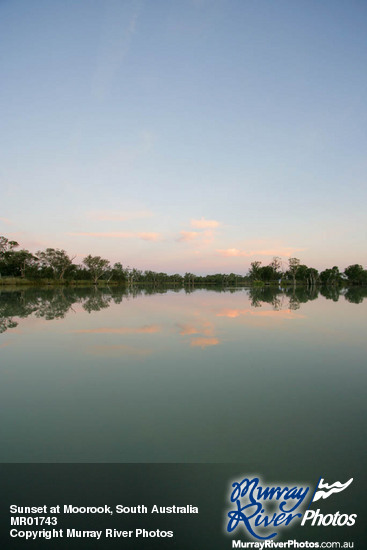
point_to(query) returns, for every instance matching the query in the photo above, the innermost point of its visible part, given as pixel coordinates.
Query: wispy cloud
(200, 327)
(118, 30)
(6, 221)
(149, 329)
(111, 215)
(149, 236)
(273, 314)
(205, 224)
(203, 342)
(145, 236)
(232, 313)
(204, 236)
(106, 234)
(201, 332)
(231, 252)
(281, 251)
(200, 237)
(188, 329)
(188, 236)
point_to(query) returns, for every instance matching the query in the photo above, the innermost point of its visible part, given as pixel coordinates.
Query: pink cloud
(204, 224)
(231, 313)
(282, 314)
(204, 342)
(188, 329)
(151, 329)
(281, 251)
(119, 235)
(274, 314)
(188, 236)
(6, 221)
(202, 327)
(205, 331)
(111, 234)
(230, 252)
(110, 215)
(149, 236)
(201, 237)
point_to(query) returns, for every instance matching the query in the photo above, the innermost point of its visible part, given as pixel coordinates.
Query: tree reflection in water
(56, 303)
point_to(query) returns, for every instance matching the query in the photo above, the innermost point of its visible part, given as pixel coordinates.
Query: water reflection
(51, 304)
(161, 375)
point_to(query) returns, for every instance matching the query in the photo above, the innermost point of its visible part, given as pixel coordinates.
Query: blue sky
(185, 135)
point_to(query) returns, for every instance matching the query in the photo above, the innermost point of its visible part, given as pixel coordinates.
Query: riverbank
(57, 283)
(19, 281)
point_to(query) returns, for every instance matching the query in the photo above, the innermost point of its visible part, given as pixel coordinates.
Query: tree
(6, 252)
(266, 273)
(19, 261)
(14, 262)
(134, 275)
(301, 274)
(355, 295)
(312, 276)
(176, 278)
(150, 276)
(294, 264)
(254, 271)
(6, 245)
(355, 274)
(276, 265)
(331, 276)
(118, 273)
(189, 278)
(56, 259)
(97, 266)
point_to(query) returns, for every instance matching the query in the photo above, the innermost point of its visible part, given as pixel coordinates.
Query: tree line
(296, 272)
(57, 265)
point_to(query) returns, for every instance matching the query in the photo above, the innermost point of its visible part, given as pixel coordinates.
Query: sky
(189, 135)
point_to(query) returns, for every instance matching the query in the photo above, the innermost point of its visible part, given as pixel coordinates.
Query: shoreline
(47, 283)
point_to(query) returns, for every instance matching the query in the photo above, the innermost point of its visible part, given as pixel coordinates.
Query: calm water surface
(248, 376)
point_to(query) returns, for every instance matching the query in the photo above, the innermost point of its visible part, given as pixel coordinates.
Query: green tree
(119, 273)
(312, 276)
(254, 271)
(331, 276)
(57, 260)
(6, 245)
(176, 278)
(189, 278)
(356, 274)
(21, 261)
(6, 256)
(266, 273)
(97, 266)
(293, 264)
(276, 265)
